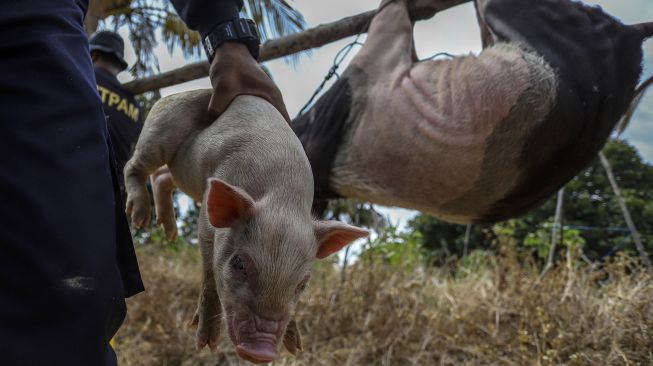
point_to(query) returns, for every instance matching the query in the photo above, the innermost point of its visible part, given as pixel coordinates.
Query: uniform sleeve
(204, 15)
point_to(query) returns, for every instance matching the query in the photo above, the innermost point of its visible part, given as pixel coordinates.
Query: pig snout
(256, 338)
(259, 351)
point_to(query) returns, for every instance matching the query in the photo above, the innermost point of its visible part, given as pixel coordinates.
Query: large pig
(474, 138)
(256, 233)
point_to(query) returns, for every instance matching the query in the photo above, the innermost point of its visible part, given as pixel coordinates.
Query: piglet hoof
(291, 339)
(195, 320)
(169, 226)
(139, 212)
(208, 329)
(171, 235)
(141, 219)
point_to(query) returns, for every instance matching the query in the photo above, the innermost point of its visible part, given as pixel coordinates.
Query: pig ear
(333, 235)
(291, 338)
(226, 204)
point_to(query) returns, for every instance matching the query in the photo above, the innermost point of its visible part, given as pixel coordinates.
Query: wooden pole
(468, 232)
(93, 16)
(554, 231)
(557, 221)
(291, 44)
(622, 203)
(571, 275)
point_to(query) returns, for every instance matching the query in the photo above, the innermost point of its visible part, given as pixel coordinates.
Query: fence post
(622, 203)
(468, 232)
(554, 231)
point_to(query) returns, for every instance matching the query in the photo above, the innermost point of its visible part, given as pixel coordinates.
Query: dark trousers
(63, 238)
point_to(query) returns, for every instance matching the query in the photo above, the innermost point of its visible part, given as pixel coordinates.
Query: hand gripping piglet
(256, 233)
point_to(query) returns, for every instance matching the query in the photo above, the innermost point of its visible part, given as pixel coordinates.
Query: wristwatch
(237, 30)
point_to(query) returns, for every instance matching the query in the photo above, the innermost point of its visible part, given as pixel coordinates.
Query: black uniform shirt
(124, 117)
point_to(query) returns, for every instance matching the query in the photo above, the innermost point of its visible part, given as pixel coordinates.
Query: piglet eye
(302, 286)
(241, 268)
(236, 263)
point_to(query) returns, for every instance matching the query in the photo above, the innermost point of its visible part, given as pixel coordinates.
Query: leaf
(175, 33)
(144, 18)
(275, 18)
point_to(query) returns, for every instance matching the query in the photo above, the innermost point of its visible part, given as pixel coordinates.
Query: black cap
(111, 43)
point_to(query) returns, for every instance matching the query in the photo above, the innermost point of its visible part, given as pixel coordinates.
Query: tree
(591, 208)
(443, 239)
(144, 18)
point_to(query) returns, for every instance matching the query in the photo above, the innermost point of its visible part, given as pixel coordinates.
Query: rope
(444, 54)
(589, 228)
(333, 71)
(616, 248)
(339, 58)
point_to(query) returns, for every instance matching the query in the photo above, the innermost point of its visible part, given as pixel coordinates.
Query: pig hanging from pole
(474, 138)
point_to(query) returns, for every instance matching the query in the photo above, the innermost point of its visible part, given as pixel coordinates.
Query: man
(124, 114)
(66, 256)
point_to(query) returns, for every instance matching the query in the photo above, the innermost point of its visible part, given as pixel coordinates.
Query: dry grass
(405, 314)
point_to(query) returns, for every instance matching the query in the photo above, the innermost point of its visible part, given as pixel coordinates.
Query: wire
(589, 228)
(333, 70)
(339, 58)
(445, 54)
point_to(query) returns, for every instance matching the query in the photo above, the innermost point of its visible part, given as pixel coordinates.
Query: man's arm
(234, 71)
(204, 15)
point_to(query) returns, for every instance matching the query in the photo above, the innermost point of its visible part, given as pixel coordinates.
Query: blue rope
(589, 228)
(615, 248)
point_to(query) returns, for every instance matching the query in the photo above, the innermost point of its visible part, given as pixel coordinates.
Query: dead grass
(409, 315)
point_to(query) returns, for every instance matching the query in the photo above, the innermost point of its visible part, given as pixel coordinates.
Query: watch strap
(238, 30)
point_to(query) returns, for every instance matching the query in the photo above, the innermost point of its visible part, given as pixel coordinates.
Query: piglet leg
(487, 38)
(389, 44)
(208, 315)
(138, 198)
(168, 124)
(162, 188)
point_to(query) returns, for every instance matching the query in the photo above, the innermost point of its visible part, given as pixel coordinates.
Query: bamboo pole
(554, 230)
(468, 233)
(622, 203)
(291, 44)
(571, 275)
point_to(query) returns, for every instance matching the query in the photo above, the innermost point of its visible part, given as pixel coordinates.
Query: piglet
(256, 234)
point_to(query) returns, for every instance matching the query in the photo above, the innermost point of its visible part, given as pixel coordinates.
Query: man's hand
(235, 72)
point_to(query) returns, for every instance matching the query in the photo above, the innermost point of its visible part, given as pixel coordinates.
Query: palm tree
(144, 18)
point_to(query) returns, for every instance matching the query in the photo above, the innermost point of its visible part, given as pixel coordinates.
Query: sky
(454, 31)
